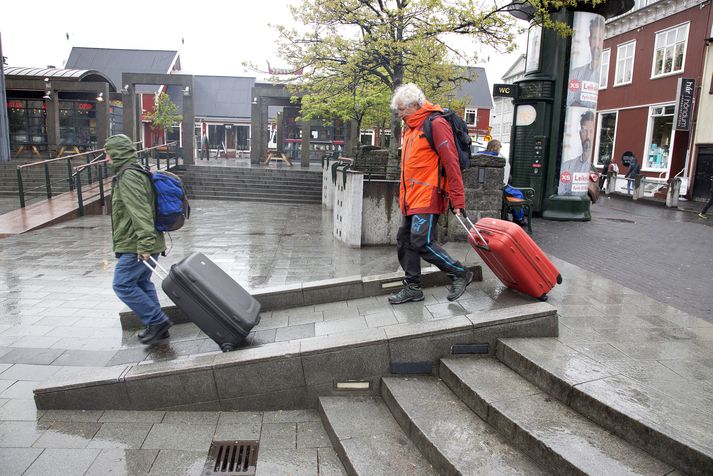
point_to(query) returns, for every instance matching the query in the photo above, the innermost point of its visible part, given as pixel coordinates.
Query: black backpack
(460, 134)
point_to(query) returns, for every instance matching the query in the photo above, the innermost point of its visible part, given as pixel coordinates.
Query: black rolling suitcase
(211, 299)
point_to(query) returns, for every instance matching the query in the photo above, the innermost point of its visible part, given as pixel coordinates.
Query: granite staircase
(516, 413)
(253, 184)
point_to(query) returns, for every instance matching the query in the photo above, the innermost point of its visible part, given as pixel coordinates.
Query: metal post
(20, 188)
(48, 185)
(101, 185)
(69, 175)
(78, 184)
(89, 171)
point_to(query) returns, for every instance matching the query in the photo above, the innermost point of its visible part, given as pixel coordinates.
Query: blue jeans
(132, 284)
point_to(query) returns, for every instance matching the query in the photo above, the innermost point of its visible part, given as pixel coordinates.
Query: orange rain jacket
(420, 192)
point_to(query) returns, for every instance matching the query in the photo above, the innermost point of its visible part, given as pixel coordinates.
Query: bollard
(611, 183)
(674, 189)
(638, 191)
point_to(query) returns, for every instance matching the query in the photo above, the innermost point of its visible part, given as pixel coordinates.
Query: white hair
(406, 95)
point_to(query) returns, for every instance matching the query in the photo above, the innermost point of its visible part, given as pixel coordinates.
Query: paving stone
(79, 358)
(29, 372)
(294, 332)
(16, 460)
(67, 435)
(120, 435)
(64, 462)
(86, 416)
(20, 389)
(20, 410)
(290, 416)
(180, 437)
(295, 462)
(122, 461)
(20, 434)
(311, 434)
(329, 464)
(192, 418)
(31, 356)
(173, 462)
(278, 435)
(339, 326)
(125, 416)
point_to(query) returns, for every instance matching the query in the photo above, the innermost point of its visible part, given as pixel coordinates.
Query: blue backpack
(172, 207)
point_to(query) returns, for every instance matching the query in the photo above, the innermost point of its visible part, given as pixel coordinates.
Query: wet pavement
(58, 315)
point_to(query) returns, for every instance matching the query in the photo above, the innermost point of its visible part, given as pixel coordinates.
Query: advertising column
(580, 114)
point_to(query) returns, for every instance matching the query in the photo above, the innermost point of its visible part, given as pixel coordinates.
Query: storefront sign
(15, 104)
(85, 106)
(684, 106)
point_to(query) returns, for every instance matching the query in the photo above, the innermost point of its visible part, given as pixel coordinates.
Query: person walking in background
(628, 157)
(605, 171)
(135, 238)
(708, 203)
(424, 193)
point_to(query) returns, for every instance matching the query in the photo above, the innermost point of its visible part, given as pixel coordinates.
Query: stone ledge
(261, 378)
(317, 292)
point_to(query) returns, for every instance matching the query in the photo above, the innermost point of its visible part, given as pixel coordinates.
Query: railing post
(69, 175)
(89, 171)
(20, 188)
(101, 185)
(78, 184)
(48, 184)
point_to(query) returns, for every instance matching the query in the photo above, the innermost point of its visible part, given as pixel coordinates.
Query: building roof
(516, 69)
(114, 62)
(477, 90)
(68, 74)
(222, 96)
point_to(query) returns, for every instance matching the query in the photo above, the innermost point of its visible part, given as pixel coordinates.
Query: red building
(646, 54)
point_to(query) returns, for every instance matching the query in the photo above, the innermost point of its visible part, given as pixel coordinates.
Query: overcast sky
(213, 36)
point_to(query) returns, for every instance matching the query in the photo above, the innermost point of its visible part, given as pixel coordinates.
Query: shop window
(670, 51)
(604, 69)
(26, 120)
(77, 123)
(624, 63)
(216, 135)
(605, 137)
(242, 135)
(471, 117)
(658, 148)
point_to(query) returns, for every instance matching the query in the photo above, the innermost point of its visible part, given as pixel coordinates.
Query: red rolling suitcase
(210, 298)
(513, 256)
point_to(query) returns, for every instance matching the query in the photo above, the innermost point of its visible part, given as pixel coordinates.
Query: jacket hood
(121, 150)
(416, 119)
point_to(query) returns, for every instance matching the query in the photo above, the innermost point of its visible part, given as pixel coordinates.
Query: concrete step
(448, 433)
(561, 440)
(297, 186)
(676, 431)
(367, 438)
(268, 199)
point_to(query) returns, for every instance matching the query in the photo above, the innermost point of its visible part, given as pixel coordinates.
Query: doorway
(704, 169)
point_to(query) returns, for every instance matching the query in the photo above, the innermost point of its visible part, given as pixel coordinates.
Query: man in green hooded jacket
(135, 238)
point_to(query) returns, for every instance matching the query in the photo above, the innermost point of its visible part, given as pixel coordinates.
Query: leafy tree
(165, 113)
(351, 47)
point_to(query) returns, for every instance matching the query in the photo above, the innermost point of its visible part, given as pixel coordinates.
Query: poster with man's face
(580, 117)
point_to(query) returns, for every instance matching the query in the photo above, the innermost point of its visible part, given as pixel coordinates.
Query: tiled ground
(58, 316)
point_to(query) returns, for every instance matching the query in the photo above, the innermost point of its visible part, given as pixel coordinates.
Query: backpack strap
(428, 132)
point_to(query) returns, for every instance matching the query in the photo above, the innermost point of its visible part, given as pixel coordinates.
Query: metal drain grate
(231, 458)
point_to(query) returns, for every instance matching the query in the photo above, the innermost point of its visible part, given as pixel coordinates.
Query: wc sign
(504, 90)
(684, 105)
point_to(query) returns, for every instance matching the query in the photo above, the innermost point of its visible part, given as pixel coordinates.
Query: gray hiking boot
(459, 285)
(410, 292)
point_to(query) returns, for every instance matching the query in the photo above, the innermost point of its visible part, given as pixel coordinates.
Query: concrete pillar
(638, 191)
(52, 122)
(187, 125)
(611, 183)
(280, 133)
(4, 121)
(304, 151)
(103, 117)
(129, 100)
(674, 189)
(258, 141)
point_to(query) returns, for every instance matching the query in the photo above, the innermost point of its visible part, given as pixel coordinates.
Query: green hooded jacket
(132, 202)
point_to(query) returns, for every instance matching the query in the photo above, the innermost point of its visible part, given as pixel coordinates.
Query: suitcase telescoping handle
(153, 269)
(482, 244)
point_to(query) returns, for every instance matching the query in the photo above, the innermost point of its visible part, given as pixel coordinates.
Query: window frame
(626, 44)
(663, 32)
(649, 131)
(604, 76)
(596, 162)
(471, 110)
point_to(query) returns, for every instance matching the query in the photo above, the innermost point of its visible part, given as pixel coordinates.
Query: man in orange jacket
(425, 193)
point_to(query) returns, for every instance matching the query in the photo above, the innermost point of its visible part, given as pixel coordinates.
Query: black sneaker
(410, 292)
(155, 332)
(459, 285)
(142, 334)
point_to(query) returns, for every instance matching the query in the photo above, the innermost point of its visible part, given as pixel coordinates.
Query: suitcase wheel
(559, 279)
(227, 347)
(543, 297)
